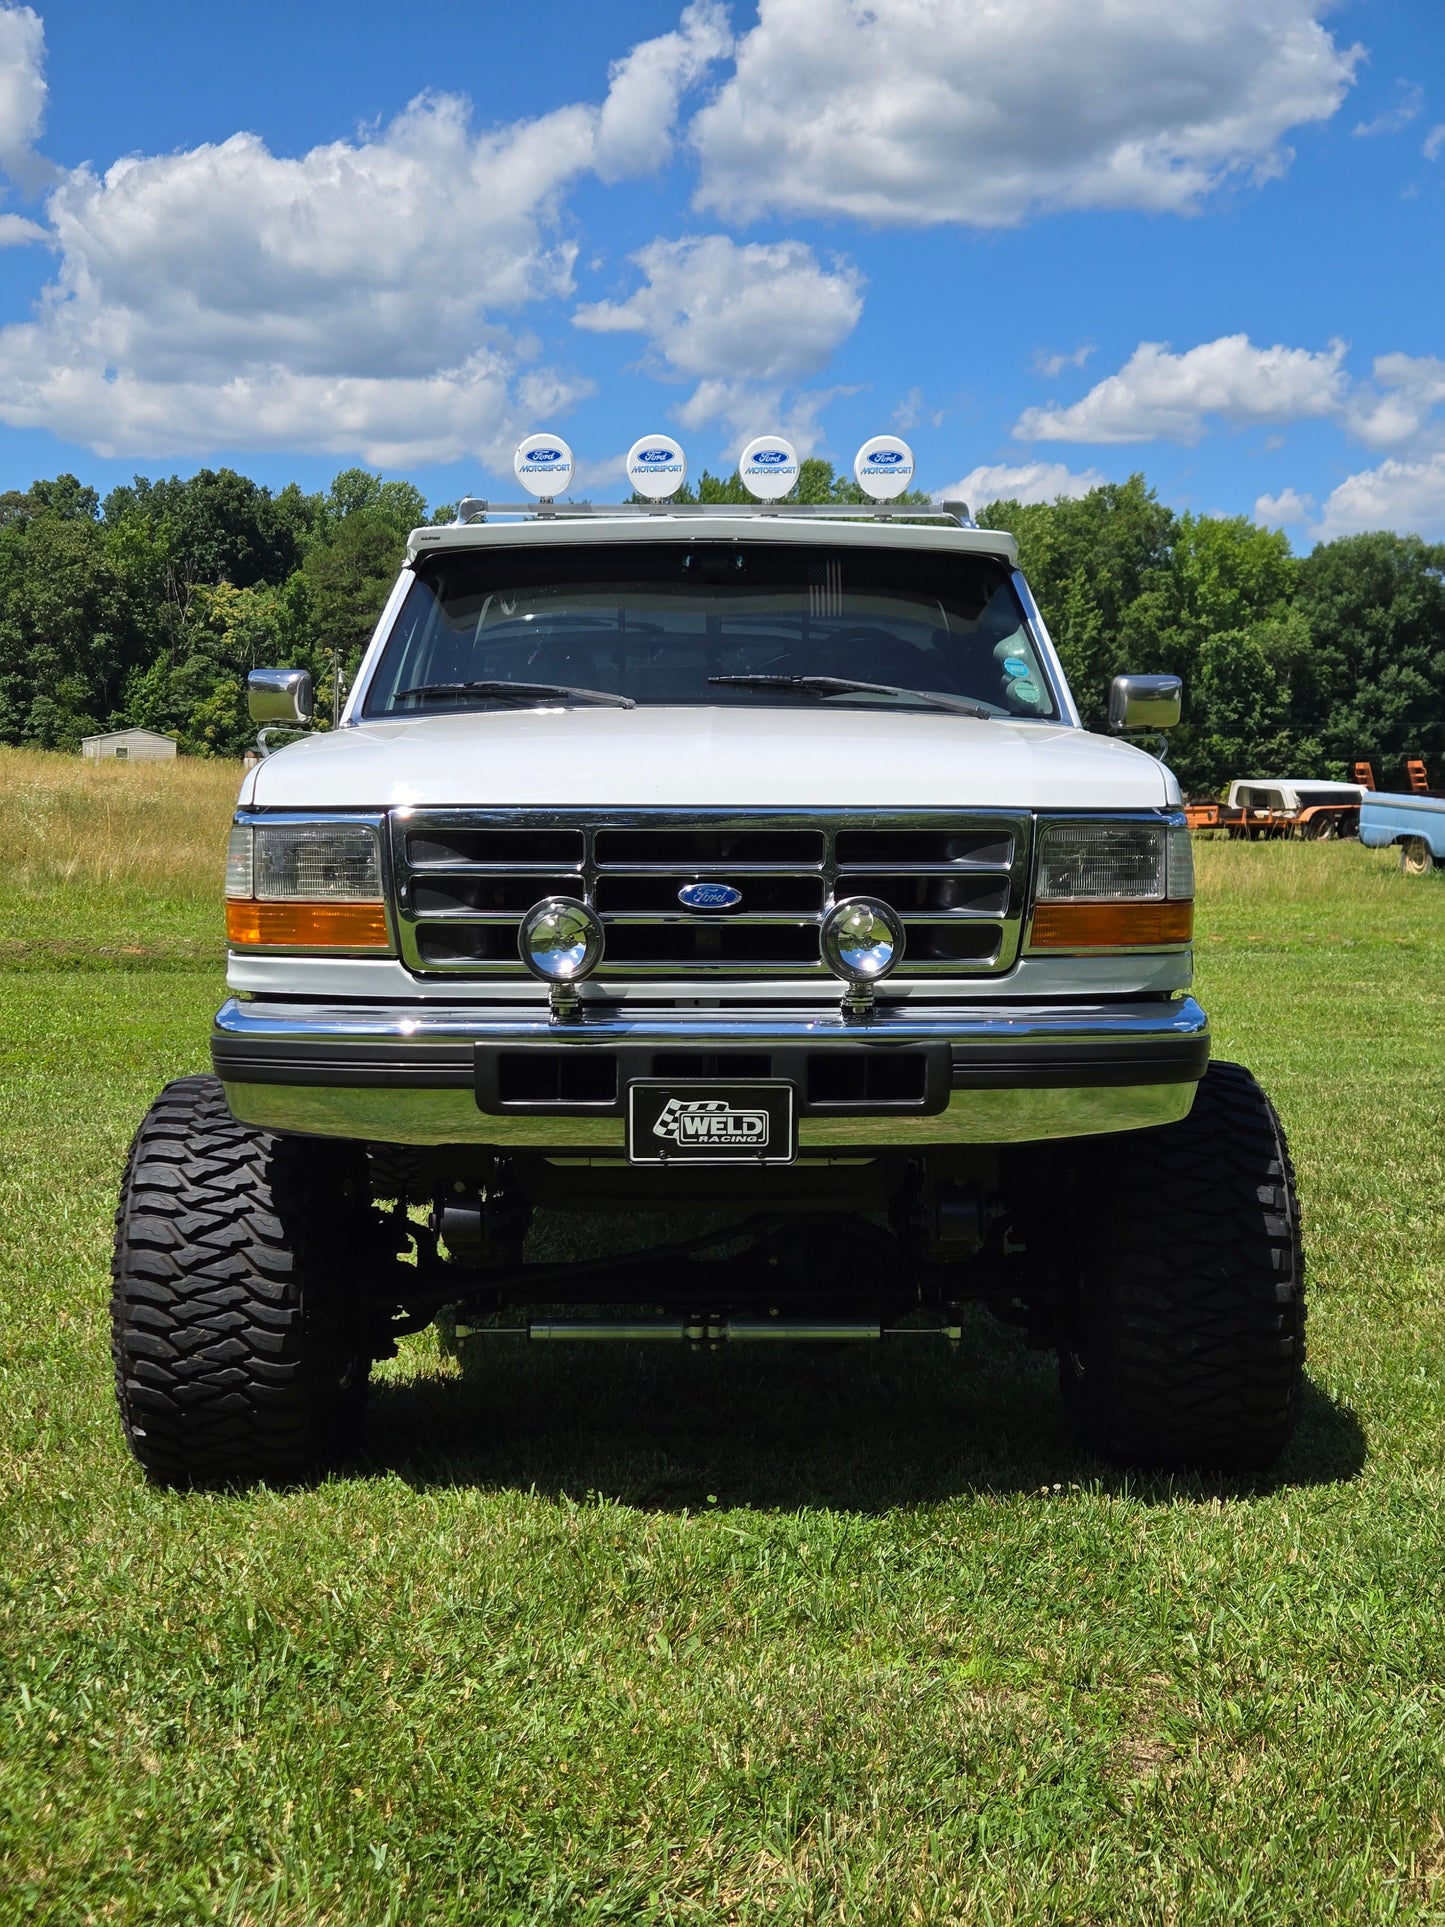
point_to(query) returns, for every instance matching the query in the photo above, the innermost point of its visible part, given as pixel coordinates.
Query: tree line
(149, 607)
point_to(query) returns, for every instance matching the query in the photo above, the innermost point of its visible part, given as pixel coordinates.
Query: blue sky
(1051, 241)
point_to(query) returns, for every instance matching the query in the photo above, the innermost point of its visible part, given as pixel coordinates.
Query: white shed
(130, 745)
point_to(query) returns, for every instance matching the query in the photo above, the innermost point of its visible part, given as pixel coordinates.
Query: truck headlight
(1113, 886)
(305, 886)
(560, 940)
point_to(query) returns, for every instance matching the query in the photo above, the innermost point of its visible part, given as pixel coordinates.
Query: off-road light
(656, 467)
(560, 940)
(883, 467)
(768, 467)
(862, 941)
(543, 465)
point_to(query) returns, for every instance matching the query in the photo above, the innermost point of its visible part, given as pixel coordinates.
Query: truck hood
(709, 758)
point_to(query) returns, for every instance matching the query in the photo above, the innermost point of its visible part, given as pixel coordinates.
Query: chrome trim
(1145, 702)
(837, 880)
(1005, 1116)
(279, 696)
(254, 815)
(421, 1024)
(441, 1114)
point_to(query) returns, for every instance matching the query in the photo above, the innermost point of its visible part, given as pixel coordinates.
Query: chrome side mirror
(1144, 702)
(280, 696)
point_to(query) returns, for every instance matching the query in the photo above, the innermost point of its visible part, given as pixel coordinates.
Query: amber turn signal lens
(307, 926)
(1110, 926)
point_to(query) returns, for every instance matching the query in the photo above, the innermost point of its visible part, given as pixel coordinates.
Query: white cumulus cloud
(1408, 497)
(1399, 409)
(22, 94)
(354, 298)
(1288, 509)
(17, 232)
(639, 116)
(711, 307)
(921, 111)
(747, 408)
(1158, 395)
(745, 322)
(1019, 482)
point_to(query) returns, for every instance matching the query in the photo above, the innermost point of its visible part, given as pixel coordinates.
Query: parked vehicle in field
(1274, 807)
(750, 862)
(1416, 822)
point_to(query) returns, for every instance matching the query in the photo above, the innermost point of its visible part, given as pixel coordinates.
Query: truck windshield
(656, 622)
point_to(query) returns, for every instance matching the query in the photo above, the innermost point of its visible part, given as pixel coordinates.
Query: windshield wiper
(519, 692)
(845, 686)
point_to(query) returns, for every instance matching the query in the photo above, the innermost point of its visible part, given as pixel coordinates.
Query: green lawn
(856, 1639)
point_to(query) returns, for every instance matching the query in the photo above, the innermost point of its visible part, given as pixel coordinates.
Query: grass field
(702, 1640)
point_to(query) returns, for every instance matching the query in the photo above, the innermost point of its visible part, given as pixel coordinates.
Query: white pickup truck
(750, 863)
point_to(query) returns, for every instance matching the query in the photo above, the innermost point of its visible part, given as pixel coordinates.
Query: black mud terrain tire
(1184, 1343)
(239, 1305)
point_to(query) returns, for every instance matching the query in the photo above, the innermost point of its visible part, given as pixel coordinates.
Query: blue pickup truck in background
(1416, 821)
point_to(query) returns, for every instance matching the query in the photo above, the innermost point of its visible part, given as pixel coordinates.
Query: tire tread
(231, 1261)
(1188, 1347)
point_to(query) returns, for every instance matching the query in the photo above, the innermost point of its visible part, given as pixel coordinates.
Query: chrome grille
(464, 878)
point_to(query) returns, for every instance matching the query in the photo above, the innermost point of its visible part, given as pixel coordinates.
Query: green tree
(1212, 618)
(1091, 563)
(217, 526)
(357, 490)
(348, 578)
(70, 628)
(1373, 683)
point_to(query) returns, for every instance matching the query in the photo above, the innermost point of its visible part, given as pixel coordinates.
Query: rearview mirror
(279, 695)
(1144, 702)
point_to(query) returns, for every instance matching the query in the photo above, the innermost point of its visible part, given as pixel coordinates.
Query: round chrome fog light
(862, 940)
(560, 940)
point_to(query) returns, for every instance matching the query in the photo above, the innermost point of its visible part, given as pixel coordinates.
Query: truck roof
(912, 527)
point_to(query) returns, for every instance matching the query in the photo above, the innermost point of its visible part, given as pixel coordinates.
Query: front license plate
(710, 1123)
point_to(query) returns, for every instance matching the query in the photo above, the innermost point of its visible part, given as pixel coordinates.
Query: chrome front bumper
(986, 1074)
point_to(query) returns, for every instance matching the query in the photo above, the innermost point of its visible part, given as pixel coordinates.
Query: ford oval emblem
(654, 455)
(544, 454)
(709, 896)
(770, 458)
(884, 458)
